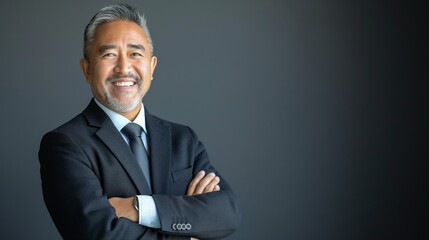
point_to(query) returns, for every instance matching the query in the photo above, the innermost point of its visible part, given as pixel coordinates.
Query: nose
(123, 64)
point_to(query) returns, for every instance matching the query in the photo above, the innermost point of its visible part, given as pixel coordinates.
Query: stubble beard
(117, 106)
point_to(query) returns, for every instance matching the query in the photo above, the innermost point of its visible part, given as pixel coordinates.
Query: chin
(118, 106)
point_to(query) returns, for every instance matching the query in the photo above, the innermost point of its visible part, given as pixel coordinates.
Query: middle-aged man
(117, 172)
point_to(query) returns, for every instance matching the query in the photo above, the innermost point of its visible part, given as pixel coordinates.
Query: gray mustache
(118, 76)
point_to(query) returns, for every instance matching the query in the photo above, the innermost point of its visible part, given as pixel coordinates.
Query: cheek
(143, 69)
(102, 68)
(100, 74)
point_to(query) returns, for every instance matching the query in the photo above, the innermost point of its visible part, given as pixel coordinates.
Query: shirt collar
(120, 121)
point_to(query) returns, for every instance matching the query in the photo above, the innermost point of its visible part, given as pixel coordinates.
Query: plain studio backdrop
(310, 109)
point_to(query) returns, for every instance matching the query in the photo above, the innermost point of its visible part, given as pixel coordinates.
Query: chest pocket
(180, 181)
(182, 175)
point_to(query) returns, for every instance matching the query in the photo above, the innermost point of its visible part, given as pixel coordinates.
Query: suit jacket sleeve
(212, 215)
(75, 199)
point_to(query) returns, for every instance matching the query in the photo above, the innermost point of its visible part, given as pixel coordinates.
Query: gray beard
(120, 107)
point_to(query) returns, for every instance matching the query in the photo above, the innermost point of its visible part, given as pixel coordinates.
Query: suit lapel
(160, 153)
(110, 136)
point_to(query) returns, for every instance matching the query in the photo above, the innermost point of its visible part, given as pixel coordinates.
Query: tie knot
(132, 130)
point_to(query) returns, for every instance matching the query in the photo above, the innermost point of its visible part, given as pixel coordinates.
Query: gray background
(309, 108)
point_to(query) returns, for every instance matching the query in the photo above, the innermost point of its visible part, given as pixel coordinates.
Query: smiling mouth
(124, 84)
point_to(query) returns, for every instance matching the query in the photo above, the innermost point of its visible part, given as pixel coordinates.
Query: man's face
(119, 67)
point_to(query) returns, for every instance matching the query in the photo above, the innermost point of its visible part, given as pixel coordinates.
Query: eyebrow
(105, 47)
(136, 46)
(111, 46)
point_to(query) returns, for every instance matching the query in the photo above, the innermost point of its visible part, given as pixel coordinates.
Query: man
(102, 182)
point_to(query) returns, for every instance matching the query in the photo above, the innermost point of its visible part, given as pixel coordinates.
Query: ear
(84, 65)
(153, 62)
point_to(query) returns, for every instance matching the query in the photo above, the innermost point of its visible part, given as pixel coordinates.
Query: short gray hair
(110, 14)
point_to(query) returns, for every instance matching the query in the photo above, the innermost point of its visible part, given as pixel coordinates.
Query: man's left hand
(203, 183)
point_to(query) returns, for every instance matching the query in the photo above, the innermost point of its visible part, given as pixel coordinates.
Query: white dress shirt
(148, 215)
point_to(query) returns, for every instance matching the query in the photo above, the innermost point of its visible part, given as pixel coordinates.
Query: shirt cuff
(148, 215)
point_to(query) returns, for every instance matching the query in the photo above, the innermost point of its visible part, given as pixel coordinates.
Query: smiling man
(117, 172)
(119, 66)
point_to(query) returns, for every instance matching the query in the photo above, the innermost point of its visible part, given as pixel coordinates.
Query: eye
(136, 54)
(108, 55)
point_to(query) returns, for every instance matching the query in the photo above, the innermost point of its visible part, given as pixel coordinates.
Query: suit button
(188, 226)
(180, 226)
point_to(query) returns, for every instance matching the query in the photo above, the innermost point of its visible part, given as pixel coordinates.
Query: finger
(193, 184)
(210, 187)
(217, 188)
(203, 183)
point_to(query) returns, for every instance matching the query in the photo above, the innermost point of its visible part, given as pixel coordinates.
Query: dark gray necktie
(133, 132)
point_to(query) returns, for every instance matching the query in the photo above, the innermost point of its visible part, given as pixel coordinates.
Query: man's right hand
(203, 183)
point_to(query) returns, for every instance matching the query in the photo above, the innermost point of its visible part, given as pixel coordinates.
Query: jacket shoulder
(177, 129)
(72, 126)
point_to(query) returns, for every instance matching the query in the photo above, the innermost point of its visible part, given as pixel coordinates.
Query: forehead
(118, 32)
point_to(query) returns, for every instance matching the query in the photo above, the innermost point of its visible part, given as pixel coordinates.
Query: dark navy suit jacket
(86, 161)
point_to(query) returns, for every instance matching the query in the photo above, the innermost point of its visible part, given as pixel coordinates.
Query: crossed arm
(201, 183)
(76, 199)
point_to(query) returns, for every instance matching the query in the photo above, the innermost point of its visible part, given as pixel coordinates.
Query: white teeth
(123, 84)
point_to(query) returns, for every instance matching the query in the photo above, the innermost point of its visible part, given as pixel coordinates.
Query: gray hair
(110, 14)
